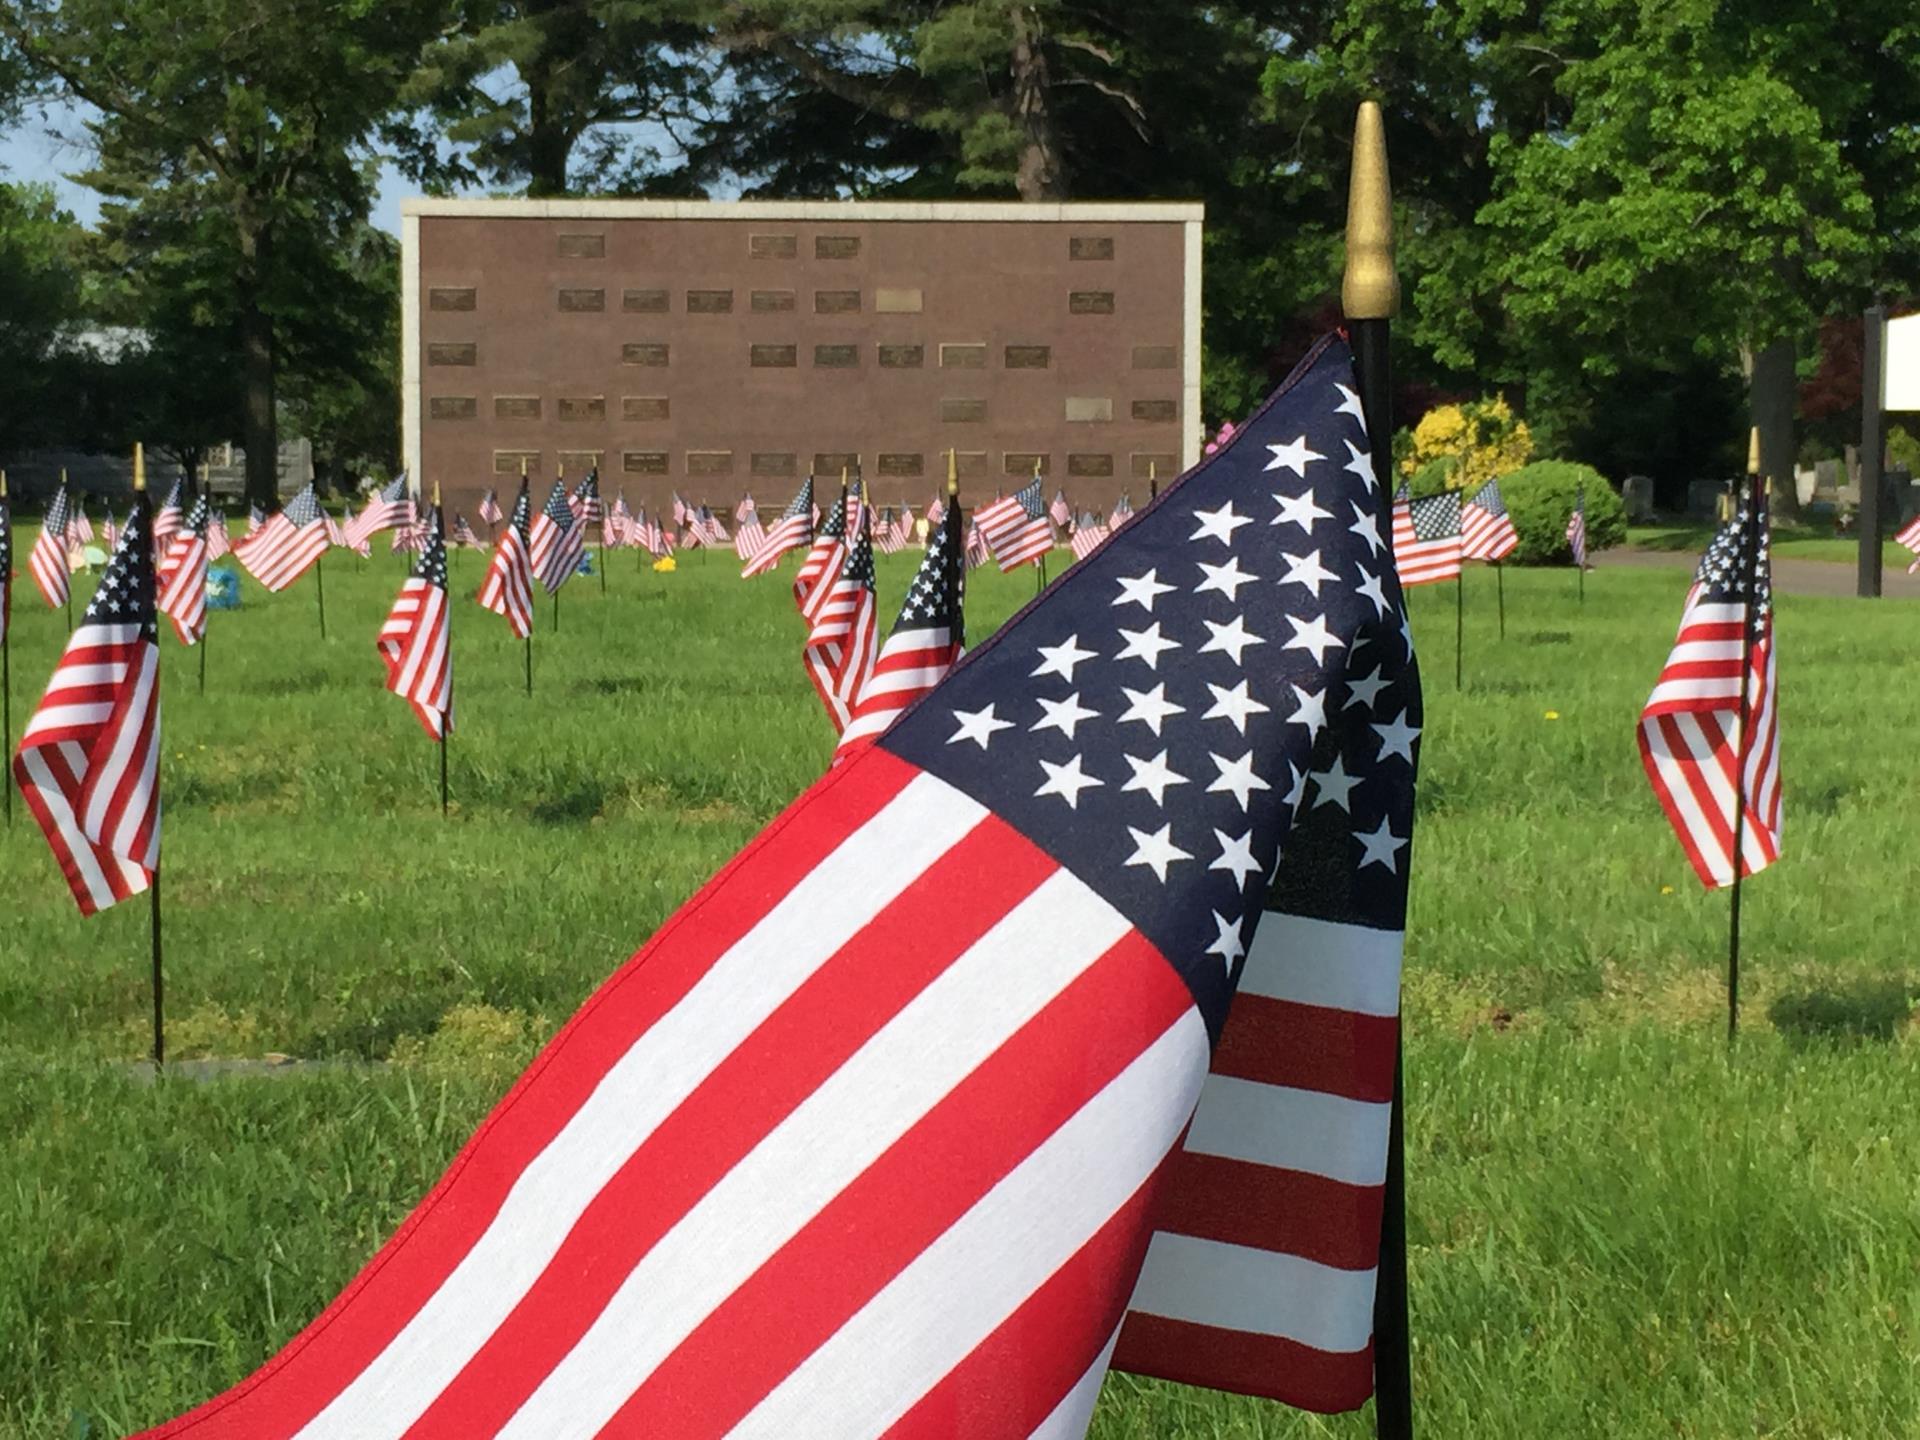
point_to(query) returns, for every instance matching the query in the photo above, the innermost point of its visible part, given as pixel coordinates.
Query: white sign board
(1901, 386)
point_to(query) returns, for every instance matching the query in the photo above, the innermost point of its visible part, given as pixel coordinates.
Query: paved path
(1792, 577)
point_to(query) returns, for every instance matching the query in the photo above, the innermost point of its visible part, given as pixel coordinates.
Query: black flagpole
(1370, 295)
(6, 653)
(1580, 560)
(143, 518)
(1500, 581)
(320, 587)
(1459, 623)
(446, 720)
(1749, 555)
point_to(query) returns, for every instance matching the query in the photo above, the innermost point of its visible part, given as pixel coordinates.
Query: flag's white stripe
(966, 1284)
(121, 758)
(51, 717)
(1256, 1292)
(1304, 1130)
(1675, 770)
(40, 777)
(1074, 1413)
(886, 1087)
(1320, 962)
(800, 932)
(142, 807)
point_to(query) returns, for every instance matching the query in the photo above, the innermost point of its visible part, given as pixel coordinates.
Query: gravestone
(1637, 494)
(1703, 499)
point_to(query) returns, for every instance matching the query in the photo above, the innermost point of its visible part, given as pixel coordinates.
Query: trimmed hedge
(1540, 499)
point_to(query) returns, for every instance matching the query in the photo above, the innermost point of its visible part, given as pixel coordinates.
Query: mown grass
(1616, 1230)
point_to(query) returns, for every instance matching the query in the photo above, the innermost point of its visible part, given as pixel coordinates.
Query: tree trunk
(1042, 172)
(1773, 391)
(548, 143)
(260, 425)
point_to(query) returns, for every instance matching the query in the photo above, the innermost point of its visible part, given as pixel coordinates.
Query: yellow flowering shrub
(1468, 445)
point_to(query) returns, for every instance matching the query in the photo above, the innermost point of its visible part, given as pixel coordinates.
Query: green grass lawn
(1815, 540)
(1616, 1229)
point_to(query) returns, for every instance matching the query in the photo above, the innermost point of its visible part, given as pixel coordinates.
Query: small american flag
(1016, 528)
(1692, 742)
(585, 501)
(928, 639)
(1577, 529)
(1086, 537)
(219, 543)
(558, 541)
(1486, 531)
(1426, 537)
(708, 527)
(618, 524)
(80, 532)
(256, 518)
(652, 537)
(414, 641)
(903, 522)
(1060, 512)
(936, 512)
(886, 534)
(680, 511)
(745, 510)
(992, 1046)
(824, 559)
(463, 536)
(47, 561)
(490, 513)
(748, 533)
(88, 764)
(286, 547)
(168, 519)
(843, 635)
(183, 576)
(391, 509)
(109, 532)
(409, 539)
(1909, 536)
(976, 544)
(508, 588)
(1121, 513)
(343, 534)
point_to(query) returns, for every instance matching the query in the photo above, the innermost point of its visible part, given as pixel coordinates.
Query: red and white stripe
(219, 542)
(1260, 1275)
(183, 586)
(508, 587)
(1577, 537)
(1085, 539)
(1015, 537)
(414, 644)
(825, 559)
(1422, 562)
(841, 643)
(47, 563)
(789, 532)
(748, 536)
(910, 664)
(1909, 536)
(280, 552)
(1690, 742)
(848, 1149)
(88, 763)
(1485, 536)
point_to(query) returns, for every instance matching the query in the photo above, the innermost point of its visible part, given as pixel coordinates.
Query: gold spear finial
(1753, 451)
(3, 484)
(1370, 290)
(953, 473)
(523, 467)
(436, 494)
(139, 468)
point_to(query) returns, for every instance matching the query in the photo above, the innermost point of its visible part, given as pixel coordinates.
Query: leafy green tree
(243, 129)
(40, 297)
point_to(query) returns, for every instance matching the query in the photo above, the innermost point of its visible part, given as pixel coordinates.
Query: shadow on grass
(612, 685)
(1861, 1010)
(1547, 637)
(1687, 537)
(572, 806)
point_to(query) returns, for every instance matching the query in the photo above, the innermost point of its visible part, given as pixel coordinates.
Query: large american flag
(286, 547)
(823, 560)
(843, 636)
(392, 508)
(182, 580)
(1426, 537)
(1696, 755)
(1016, 527)
(415, 641)
(508, 587)
(47, 561)
(558, 540)
(1486, 530)
(88, 764)
(793, 529)
(1577, 530)
(882, 1131)
(928, 639)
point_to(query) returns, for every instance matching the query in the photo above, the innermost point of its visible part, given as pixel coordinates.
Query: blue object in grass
(223, 589)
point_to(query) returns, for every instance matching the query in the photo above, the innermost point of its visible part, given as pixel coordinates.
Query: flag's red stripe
(1308, 1047)
(1262, 1207)
(324, 1358)
(966, 1145)
(1248, 1364)
(835, 1012)
(1015, 1377)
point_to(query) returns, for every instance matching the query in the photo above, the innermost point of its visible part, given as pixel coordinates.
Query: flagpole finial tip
(3, 484)
(436, 493)
(139, 468)
(1370, 290)
(1753, 451)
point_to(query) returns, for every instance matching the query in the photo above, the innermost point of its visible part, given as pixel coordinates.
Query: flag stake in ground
(1749, 555)
(1500, 590)
(63, 546)
(1459, 626)
(1370, 296)
(143, 510)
